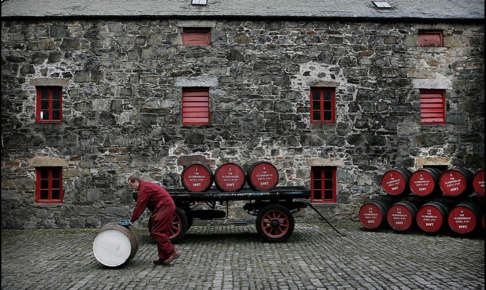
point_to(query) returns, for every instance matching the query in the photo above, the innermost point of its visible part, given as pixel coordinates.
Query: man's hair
(134, 178)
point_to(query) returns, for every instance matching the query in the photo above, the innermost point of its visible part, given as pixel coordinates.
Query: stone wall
(122, 82)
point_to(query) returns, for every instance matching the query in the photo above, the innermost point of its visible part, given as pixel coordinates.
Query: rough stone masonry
(122, 83)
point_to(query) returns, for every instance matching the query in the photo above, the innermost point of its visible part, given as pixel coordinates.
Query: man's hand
(126, 223)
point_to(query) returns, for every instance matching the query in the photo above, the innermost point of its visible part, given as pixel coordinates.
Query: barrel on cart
(114, 245)
(262, 176)
(229, 177)
(197, 177)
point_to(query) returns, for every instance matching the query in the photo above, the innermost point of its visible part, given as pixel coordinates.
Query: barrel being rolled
(466, 217)
(456, 182)
(395, 181)
(432, 216)
(114, 245)
(478, 182)
(372, 213)
(229, 177)
(197, 177)
(425, 182)
(262, 176)
(401, 215)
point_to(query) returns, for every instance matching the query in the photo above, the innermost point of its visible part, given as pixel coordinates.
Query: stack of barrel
(230, 177)
(429, 198)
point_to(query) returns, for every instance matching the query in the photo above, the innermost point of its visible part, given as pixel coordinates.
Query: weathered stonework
(122, 82)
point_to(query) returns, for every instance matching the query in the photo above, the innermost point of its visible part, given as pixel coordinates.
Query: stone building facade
(122, 80)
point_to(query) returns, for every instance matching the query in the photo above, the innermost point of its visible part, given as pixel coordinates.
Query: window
(430, 38)
(432, 106)
(196, 36)
(49, 104)
(195, 106)
(322, 105)
(49, 185)
(323, 184)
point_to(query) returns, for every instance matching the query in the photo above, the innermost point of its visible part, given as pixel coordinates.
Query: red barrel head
(197, 178)
(370, 216)
(429, 218)
(452, 183)
(422, 183)
(462, 220)
(263, 176)
(478, 182)
(393, 182)
(399, 217)
(229, 177)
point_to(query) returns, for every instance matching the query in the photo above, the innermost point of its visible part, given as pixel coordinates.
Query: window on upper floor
(322, 105)
(195, 106)
(49, 185)
(432, 106)
(323, 184)
(196, 36)
(430, 38)
(49, 104)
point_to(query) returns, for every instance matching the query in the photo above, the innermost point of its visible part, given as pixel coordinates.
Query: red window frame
(432, 106)
(49, 101)
(49, 185)
(195, 106)
(196, 36)
(323, 184)
(322, 105)
(430, 38)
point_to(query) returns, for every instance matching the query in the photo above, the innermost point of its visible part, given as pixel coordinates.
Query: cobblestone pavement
(234, 257)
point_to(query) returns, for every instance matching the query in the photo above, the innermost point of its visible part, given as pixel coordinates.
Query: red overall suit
(162, 207)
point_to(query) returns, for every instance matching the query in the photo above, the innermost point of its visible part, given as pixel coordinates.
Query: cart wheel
(275, 223)
(178, 227)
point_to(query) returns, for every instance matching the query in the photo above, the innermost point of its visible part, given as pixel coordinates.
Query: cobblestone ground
(234, 257)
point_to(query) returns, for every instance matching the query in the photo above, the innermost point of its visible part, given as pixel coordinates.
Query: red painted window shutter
(195, 106)
(323, 105)
(196, 36)
(49, 185)
(49, 104)
(323, 184)
(432, 106)
(430, 38)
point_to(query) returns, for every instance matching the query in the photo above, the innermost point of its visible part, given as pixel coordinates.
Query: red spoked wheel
(178, 227)
(275, 223)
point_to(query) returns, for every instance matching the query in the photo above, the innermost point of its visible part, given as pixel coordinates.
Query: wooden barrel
(229, 177)
(432, 216)
(425, 182)
(372, 213)
(262, 176)
(401, 215)
(114, 245)
(465, 217)
(478, 182)
(395, 181)
(456, 182)
(197, 177)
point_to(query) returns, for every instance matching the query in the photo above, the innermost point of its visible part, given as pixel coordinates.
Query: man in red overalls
(162, 207)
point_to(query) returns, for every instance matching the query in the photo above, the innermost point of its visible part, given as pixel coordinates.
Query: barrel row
(429, 182)
(433, 216)
(261, 176)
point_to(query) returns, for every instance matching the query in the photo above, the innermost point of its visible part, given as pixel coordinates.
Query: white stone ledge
(325, 162)
(432, 84)
(44, 161)
(203, 81)
(51, 82)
